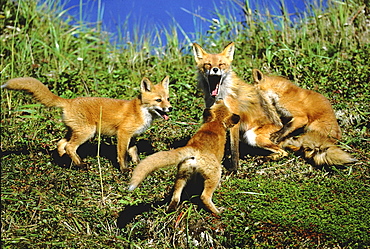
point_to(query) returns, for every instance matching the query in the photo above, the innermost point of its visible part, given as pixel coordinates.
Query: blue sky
(141, 16)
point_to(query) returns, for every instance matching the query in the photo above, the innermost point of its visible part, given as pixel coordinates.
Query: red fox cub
(308, 110)
(202, 154)
(258, 120)
(85, 115)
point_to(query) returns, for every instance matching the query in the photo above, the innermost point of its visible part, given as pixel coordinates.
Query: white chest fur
(147, 118)
(250, 137)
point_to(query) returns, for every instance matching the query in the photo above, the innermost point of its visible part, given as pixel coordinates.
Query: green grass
(283, 204)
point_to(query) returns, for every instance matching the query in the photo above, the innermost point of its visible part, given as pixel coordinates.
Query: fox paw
(274, 156)
(125, 169)
(220, 210)
(83, 166)
(292, 148)
(172, 206)
(171, 209)
(277, 155)
(275, 137)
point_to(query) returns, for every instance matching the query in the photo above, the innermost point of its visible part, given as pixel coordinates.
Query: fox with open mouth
(258, 119)
(214, 71)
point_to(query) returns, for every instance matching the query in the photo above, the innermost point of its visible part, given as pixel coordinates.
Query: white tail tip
(131, 187)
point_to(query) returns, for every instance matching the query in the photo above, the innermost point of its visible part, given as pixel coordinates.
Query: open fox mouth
(162, 114)
(214, 82)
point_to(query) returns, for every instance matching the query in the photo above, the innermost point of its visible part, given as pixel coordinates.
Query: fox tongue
(214, 84)
(215, 91)
(166, 117)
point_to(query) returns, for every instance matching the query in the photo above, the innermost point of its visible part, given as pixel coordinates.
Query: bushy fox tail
(319, 149)
(156, 161)
(39, 90)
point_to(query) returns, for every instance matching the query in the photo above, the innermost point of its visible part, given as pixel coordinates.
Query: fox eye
(221, 65)
(158, 100)
(207, 65)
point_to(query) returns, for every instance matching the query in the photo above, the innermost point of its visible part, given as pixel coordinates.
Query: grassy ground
(46, 202)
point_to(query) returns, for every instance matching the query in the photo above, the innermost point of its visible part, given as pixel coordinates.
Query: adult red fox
(258, 119)
(202, 154)
(308, 110)
(85, 115)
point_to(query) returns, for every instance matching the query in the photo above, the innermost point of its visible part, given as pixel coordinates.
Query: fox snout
(214, 71)
(167, 109)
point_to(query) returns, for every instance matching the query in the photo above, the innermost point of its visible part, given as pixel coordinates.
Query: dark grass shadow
(180, 143)
(22, 151)
(128, 214)
(88, 149)
(191, 193)
(108, 151)
(244, 151)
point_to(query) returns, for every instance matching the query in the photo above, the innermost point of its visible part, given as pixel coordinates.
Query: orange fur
(304, 108)
(318, 149)
(308, 110)
(202, 154)
(258, 119)
(118, 117)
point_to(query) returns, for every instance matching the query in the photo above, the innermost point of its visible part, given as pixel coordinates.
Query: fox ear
(165, 82)
(198, 52)
(207, 115)
(146, 85)
(257, 75)
(229, 51)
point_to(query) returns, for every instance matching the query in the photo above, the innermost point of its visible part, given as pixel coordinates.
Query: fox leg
(179, 186)
(62, 146)
(234, 147)
(212, 176)
(294, 124)
(186, 169)
(123, 141)
(327, 128)
(292, 143)
(133, 152)
(263, 141)
(77, 138)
